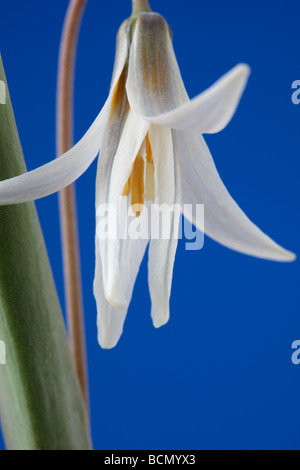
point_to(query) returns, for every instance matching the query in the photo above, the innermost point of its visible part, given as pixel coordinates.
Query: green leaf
(40, 400)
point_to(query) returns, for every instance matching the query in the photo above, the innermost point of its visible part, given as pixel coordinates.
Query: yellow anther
(137, 186)
(148, 149)
(127, 187)
(136, 181)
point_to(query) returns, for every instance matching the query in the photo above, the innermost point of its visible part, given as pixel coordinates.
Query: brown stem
(67, 197)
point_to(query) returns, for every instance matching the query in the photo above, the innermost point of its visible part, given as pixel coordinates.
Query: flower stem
(138, 6)
(67, 197)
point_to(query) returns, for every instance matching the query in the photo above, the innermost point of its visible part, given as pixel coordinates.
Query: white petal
(64, 170)
(122, 51)
(213, 109)
(57, 174)
(110, 320)
(154, 84)
(225, 222)
(162, 251)
(121, 258)
(156, 91)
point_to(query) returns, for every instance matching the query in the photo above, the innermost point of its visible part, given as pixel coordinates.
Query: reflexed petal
(121, 258)
(59, 173)
(225, 222)
(213, 109)
(156, 91)
(162, 251)
(110, 320)
(64, 170)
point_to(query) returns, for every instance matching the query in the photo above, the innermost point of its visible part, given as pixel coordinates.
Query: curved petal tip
(243, 69)
(159, 322)
(287, 256)
(108, 341)
(112, 295)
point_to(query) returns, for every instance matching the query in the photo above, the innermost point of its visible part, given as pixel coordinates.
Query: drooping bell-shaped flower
(149, 134)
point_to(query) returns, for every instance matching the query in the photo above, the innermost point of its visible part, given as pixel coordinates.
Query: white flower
(150, 142)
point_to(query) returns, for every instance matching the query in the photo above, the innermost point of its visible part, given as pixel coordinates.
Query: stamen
(137, 186)
(127, 187)
(150, 186)
(148, 149)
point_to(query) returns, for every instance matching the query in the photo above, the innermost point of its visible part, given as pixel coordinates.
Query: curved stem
(67, 198)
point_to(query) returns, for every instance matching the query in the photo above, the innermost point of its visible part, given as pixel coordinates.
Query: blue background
(219, 375)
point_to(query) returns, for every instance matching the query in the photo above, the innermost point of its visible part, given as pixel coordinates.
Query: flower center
(140, 183)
